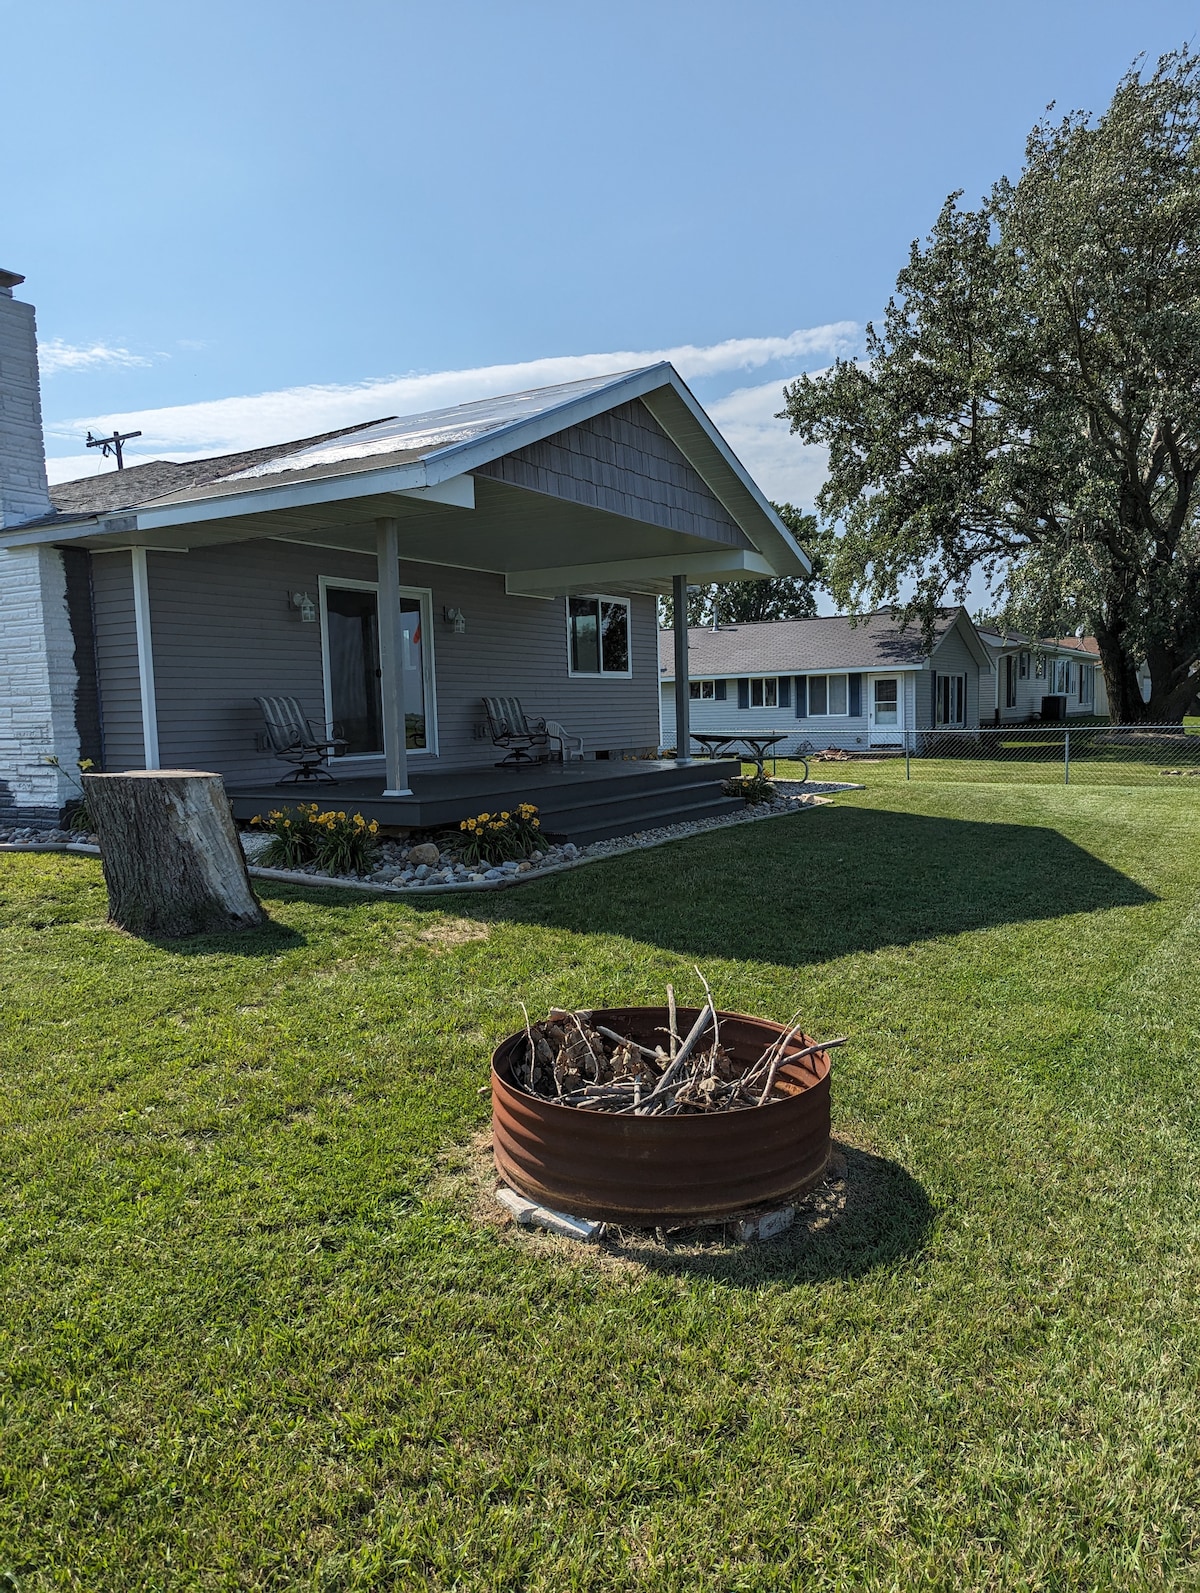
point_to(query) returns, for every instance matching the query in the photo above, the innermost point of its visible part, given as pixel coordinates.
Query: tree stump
(172, 860)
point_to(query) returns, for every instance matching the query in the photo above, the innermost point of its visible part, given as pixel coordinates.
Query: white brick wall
(37, 684)
(37, 652)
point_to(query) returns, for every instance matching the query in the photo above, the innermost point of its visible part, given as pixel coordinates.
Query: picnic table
(757, 749)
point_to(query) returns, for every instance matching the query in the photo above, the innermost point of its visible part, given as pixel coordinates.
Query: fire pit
(649, 1170)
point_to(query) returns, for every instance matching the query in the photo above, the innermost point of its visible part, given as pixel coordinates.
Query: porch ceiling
(541, 544)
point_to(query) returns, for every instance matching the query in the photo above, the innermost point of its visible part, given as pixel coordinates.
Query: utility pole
(112, 445)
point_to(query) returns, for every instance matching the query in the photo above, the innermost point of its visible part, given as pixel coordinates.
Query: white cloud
(54, 355)
(226, 425)
(788, 471)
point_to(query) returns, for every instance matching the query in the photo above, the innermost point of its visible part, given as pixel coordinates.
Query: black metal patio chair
(293, 738)
(527, 740)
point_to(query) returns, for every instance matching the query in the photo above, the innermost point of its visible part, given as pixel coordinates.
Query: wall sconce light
(456, 619)
(308, 609)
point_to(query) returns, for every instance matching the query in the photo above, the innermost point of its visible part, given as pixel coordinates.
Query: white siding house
(830, 681)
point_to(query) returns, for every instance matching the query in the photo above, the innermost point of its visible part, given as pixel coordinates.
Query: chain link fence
(1057, 754)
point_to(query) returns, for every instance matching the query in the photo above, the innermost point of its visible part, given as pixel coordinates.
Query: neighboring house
(389, 576)
(831, 681)
(1026, 671)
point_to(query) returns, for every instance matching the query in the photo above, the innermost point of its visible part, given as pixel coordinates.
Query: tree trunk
(1125, 704)
(172, 860)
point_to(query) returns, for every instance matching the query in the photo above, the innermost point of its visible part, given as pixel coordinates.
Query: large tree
(739, 602)
(1031, 405)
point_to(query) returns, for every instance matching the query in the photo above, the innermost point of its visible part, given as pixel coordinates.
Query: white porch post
(683, 698)
(145, 657)
(387, 557)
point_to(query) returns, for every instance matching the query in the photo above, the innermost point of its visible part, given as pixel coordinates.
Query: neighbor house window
(765, 693)
(1039, 669)
(702, 690)
(951, 700)
(1010, 681)
(1087, 685)
(598, 632)
(1062, 677)
(1023, 670)
(828, 696)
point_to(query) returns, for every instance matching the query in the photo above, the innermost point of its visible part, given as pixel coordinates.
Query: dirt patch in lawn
(453, 932)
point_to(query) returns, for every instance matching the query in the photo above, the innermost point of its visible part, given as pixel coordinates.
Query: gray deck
(585, 801)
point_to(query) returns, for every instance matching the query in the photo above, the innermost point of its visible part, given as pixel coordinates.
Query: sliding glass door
(353, 696)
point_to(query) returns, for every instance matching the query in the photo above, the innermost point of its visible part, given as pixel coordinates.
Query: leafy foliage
(500, 837)
(752, 788)
(1031, 405)
(337, 842)
(742, 602)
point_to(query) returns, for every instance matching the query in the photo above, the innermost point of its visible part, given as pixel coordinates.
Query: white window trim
(601, 673)
(762, 680)
(826, 675)
(425, 596)
(700, 694)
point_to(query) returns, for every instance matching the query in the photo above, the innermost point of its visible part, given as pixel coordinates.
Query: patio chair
(293, 739)
(527, 740)
(569, 746)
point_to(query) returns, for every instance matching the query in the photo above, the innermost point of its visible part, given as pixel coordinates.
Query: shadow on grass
(269, 941)
(827, 884)
(876, 1216)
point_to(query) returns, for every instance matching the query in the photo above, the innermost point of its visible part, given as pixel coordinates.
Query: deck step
(599, 826)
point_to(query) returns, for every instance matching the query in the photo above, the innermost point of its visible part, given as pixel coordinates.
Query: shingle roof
(1069, 644)
(123, 489)
(835, 641)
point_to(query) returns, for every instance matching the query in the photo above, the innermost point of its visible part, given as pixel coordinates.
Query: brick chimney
(39, 678)
(23, 492)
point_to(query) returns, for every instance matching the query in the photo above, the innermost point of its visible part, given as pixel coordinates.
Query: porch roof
(430, 472)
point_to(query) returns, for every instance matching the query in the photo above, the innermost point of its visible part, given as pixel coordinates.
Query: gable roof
(828, 642)
(430, 454)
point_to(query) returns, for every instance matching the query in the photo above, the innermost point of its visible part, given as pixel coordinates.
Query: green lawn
(254, 1335)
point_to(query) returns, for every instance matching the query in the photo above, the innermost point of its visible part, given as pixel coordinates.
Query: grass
(255, 1338)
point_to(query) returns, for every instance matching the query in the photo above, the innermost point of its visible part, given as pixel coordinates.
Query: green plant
(499, 837)
(337, 842)
(79, 818)
(753, 788)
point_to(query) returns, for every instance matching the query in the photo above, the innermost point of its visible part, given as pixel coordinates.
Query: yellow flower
(505, 815)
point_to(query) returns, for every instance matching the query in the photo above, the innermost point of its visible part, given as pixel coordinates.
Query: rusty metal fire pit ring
(649, 1171)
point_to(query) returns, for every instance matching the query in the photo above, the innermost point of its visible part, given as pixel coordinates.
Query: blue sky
(247, 222)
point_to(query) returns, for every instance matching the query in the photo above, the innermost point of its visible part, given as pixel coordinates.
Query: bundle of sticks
(575, 1061)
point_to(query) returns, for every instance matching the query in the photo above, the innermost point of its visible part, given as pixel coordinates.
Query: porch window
(951, 703)
(828, 696)
(598, 635)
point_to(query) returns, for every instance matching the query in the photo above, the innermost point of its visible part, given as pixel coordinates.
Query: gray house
(389, 576)
(830, 681)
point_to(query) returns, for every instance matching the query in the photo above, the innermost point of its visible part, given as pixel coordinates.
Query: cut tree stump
(172, 859)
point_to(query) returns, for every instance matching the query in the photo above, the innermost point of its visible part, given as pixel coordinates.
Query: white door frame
(424, 595)
(889, 735)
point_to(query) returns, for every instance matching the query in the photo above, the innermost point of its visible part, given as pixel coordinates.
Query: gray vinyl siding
(622, 462)
(116, 660)
(1032, 689)
(952, 657)
(225, 632)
